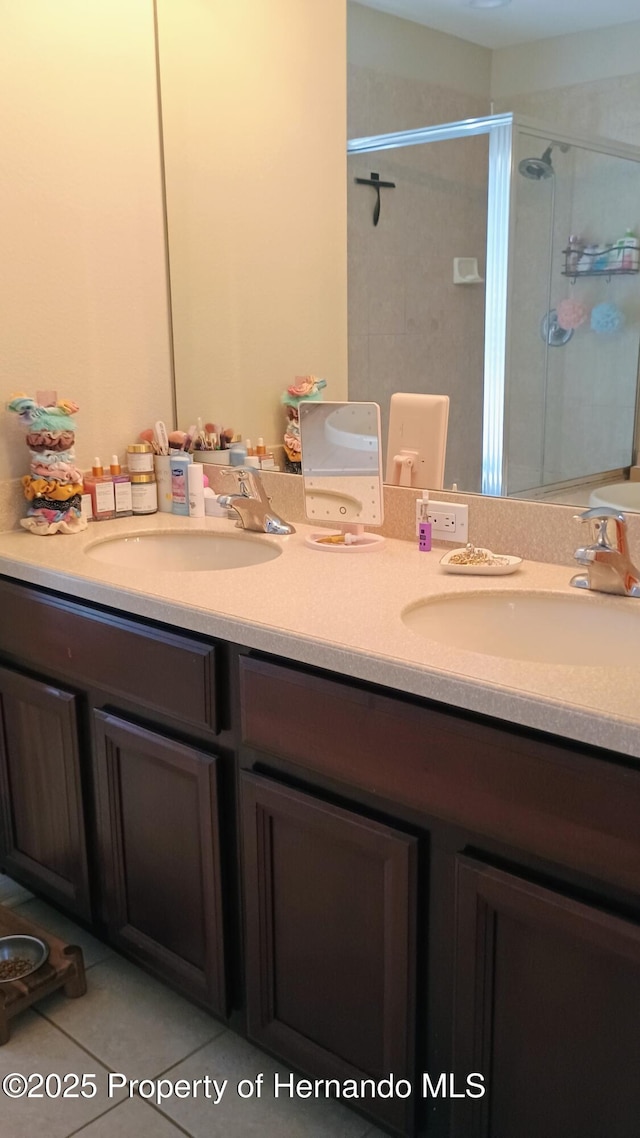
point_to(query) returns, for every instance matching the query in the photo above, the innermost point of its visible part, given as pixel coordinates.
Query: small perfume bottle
(121, 488)
(100, 486)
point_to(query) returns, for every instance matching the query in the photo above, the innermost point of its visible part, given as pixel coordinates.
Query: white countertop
(342, 612)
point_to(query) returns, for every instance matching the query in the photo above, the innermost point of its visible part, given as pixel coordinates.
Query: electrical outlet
(449, 522)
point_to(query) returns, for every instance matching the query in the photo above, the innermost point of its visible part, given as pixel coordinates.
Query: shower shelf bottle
(630, 252)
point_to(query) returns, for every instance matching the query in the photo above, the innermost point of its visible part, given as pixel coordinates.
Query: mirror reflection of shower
(538, 168)
(525, 391)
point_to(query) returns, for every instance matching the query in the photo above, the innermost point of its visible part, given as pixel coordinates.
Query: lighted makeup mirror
(342, 473)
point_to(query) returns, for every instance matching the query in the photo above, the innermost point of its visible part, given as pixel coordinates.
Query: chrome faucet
(609, 567)
(251, 503)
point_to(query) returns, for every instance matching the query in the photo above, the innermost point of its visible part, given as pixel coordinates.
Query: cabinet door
(547, 1009)
(42, 833)
(330, 903)
(160, 852)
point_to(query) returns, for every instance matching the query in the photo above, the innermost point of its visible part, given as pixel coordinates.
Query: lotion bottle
(195, 485)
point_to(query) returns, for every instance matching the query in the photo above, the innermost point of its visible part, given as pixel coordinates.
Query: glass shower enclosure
(464, 282)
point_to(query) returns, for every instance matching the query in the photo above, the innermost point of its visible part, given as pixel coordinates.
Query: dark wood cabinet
(42, 824)
(159, 846)
(424, 891)
(330, 940)
(547, 1009)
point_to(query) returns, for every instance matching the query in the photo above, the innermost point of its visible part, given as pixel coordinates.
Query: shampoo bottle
(631, 251)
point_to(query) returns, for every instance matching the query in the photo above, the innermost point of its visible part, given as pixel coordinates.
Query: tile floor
(130, 1024)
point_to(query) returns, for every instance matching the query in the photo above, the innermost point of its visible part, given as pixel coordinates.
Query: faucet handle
(600, 516)
(598, 513)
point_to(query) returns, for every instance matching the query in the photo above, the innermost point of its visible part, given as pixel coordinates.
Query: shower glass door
(574, 317)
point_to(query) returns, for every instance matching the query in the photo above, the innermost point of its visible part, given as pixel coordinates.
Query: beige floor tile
(132, 1119)
(36, 1046)
(232, 1058)
(93, 949)
(131, 1022)
(11, 893)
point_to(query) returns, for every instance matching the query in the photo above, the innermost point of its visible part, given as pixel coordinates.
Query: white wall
(83, 285)
(254, 112)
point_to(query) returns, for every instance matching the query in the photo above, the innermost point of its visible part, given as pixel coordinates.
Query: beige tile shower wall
(598, 72)
(403, 75)
(83, 285)
(410, 328)
(586, 83)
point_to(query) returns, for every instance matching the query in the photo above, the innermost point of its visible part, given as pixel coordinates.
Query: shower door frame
(500, 255)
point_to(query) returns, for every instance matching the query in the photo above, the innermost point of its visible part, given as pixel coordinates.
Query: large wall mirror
(558, 337)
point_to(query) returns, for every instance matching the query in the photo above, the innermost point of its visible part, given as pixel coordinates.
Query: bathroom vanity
(366, 881)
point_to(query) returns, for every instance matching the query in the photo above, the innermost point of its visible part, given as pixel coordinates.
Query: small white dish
(507, 564)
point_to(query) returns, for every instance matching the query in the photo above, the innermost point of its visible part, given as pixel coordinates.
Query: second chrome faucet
(251, 503)
(609, 568)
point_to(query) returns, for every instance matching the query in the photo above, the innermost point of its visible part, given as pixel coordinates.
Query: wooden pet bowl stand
(64, 968)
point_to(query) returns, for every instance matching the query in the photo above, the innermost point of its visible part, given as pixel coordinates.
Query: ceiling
(520, 21)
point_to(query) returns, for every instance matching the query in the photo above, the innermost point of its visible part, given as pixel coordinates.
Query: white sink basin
(184, 552)
(543, 628)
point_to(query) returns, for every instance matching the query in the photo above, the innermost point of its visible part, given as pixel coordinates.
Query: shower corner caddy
(608, 271)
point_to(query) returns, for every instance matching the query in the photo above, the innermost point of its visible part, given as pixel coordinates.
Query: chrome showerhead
(537, 168)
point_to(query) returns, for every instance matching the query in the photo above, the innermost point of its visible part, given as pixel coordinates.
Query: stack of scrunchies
(54, 486)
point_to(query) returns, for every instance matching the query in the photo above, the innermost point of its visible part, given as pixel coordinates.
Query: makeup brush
(147, 436)
(176, 439)
(188, 440)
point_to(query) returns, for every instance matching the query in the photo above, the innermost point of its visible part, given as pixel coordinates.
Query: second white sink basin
(543, 628)
(185, 552)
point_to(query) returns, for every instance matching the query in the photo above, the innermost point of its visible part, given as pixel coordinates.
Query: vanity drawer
(156, 669)
(549, 800)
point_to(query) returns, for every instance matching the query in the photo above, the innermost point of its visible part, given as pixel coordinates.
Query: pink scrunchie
(50, 440)
(63, 471)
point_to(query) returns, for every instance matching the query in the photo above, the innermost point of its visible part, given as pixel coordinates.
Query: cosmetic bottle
(121, 488)
(237, 454)
(100, 486)
(260, 447)
(195, 484)
(162, 466)
(144, 492)
(179, 483)
(139, 458)
(423, 525)
(630, 251)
